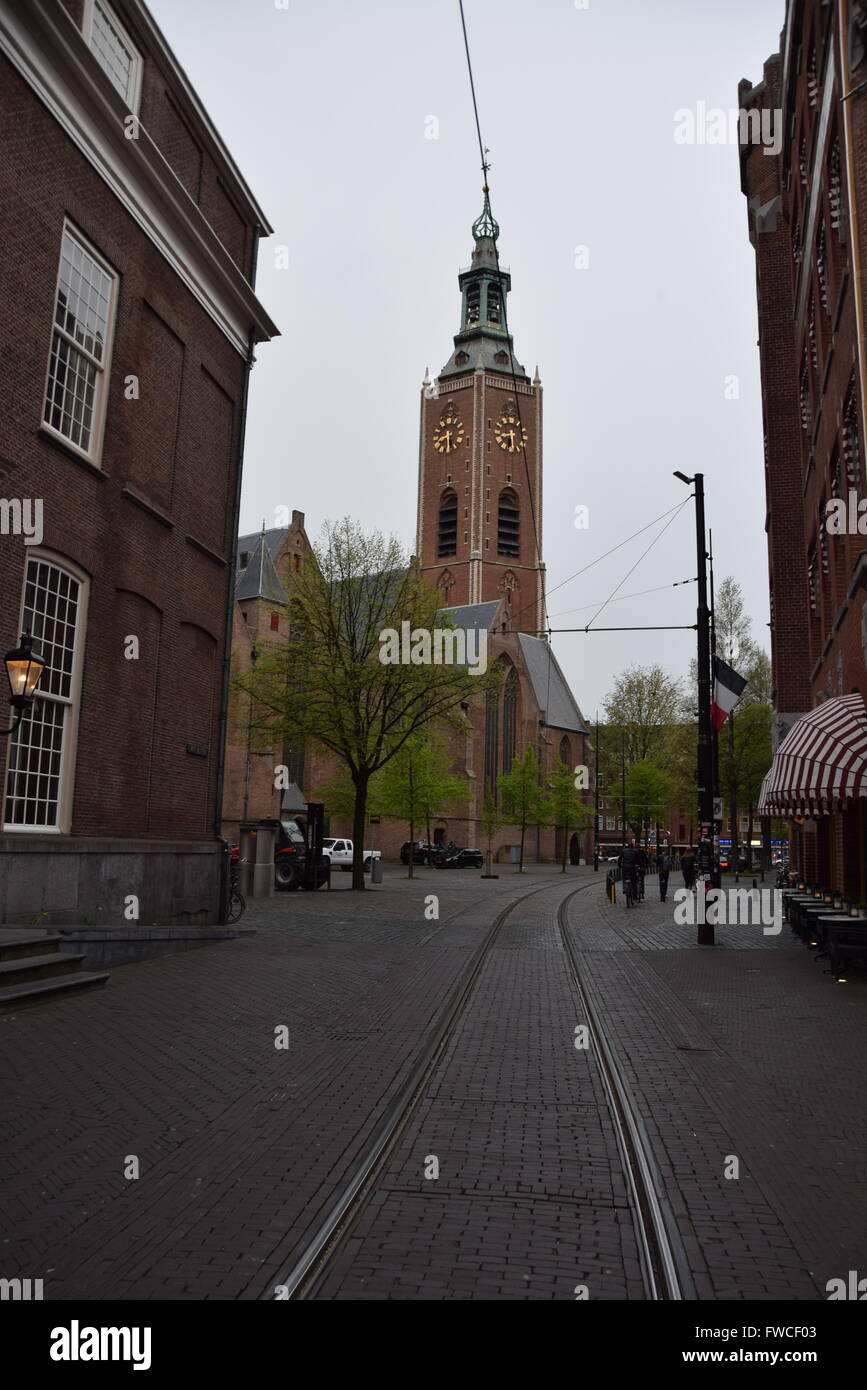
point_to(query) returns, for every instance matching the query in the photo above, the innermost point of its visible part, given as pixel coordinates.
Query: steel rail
(307, 1269)
(664, 1262)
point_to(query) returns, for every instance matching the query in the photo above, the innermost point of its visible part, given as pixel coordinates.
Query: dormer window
(461, 358)
(114, 50)
(244, 559)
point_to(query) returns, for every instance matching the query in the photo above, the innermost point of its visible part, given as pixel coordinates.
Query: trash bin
(376, 871)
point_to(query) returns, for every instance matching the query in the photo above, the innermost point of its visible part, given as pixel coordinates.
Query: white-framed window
(610, 823)
(41, 767)
(114, 50)
(81, 341)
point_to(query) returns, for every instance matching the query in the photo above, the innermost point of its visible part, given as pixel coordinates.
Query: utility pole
(623, 782)
(705, 760)
(596, 811)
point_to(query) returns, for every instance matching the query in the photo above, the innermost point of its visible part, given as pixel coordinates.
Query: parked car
(456, 858)
(340, 853)
(422, 852)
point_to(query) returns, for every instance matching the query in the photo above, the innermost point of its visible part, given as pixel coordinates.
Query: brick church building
(479, 541)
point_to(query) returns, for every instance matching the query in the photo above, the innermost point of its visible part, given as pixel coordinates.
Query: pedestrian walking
(664, 871)
(687, 866)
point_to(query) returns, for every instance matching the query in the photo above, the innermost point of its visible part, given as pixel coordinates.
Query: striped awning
(821, 765)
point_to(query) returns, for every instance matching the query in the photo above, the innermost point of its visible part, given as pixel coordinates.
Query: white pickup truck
(340, 854)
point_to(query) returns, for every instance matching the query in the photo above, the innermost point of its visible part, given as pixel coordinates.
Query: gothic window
(492, 742)
(508, 524)
(473, 303)
(565, 751)
(510, 719)
(445, 584)
(448, 524)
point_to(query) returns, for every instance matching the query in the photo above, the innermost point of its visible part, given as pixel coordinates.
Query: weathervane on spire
(485, 225)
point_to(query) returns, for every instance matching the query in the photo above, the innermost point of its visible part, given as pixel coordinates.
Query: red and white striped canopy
(821, 765)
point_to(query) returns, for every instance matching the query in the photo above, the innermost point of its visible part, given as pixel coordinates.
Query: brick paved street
(241, 1145)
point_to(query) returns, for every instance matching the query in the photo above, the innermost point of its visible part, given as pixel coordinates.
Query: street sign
(717, 808)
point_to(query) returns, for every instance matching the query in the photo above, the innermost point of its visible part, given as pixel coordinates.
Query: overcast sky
(326, 108)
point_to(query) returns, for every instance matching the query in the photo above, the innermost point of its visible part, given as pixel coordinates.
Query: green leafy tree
(492, 820)
(418, 783)
(524, 800)
(567, 807)
(327, 685)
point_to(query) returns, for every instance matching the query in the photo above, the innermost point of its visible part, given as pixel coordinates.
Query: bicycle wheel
(237, 903)
(628, 892)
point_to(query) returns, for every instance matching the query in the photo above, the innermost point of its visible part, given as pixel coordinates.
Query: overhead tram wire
(624, 598)
(638, 561)
(605, 554)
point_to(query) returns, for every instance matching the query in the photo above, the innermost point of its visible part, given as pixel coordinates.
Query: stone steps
(33, 970)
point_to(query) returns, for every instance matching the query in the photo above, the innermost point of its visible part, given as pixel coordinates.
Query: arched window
(508, 524)
(492, 742)
(510, 719)
(565, 751)
(448, 527)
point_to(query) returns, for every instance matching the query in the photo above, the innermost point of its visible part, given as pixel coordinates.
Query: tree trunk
(359, 815)
(565, 847)
(411, 825)
(523, 832)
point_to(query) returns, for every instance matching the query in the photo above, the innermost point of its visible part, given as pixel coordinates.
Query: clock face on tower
(449, 433)
(509, 432)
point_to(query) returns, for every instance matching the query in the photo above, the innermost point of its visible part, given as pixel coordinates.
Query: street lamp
(24, 668)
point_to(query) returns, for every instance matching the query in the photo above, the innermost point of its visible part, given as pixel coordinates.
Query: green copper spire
(484, 338)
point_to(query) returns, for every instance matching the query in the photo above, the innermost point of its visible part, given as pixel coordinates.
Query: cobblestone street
(738, 1050)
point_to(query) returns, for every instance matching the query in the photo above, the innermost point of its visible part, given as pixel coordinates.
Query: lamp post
(24, 668)
(705, 763)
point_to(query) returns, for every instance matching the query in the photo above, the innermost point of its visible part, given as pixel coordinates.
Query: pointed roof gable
(259, 577)
(550, 687)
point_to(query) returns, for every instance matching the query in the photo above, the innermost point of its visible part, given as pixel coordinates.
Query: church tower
(479, 532)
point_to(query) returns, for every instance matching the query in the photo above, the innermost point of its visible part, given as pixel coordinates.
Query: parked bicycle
(237, 902)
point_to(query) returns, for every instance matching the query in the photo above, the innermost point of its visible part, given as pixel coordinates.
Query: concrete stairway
(33, 969)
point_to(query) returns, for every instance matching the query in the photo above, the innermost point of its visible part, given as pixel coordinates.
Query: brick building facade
(129, 321)
(808, 226)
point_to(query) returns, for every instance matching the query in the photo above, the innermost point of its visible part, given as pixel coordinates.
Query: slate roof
(475, 616)
(550, 686)
(259, 578)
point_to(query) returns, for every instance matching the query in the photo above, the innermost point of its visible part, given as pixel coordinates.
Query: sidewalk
(744, 1049)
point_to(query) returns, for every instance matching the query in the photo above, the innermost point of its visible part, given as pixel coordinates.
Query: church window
(565, 751)
(275, 622)
(508, 524)
(472, 304)
(492, 742)
(494, 309)
(448, 525)
(510, 719)
(461, 358)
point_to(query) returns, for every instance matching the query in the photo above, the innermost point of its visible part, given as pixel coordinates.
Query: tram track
(664, 1266)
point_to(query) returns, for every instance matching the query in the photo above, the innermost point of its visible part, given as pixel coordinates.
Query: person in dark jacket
(687, 866)
(664, 871)
(628, 862)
